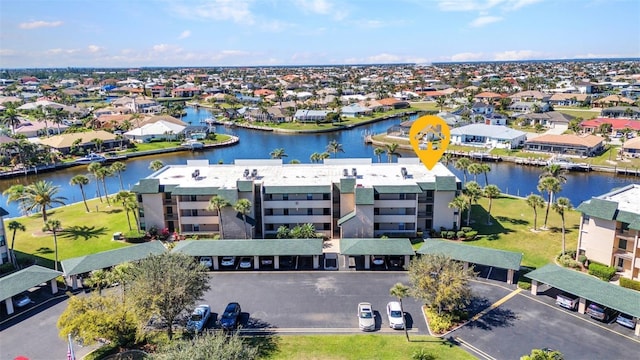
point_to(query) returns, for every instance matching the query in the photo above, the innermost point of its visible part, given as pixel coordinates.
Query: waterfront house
(593, 126)
(490, 136)
(355, 110)
(394, 103)
(161, 130)
(610, 230)
(549, 119)
(304, 115)
(632, 147)
(64, 142)
(567, 144)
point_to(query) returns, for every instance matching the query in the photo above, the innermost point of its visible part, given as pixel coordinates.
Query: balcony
(199, 220)
(394, 218)
(624, 254)
(296, 219)
(396, 203)
(293, 204)
(626, 235)
(187, 205)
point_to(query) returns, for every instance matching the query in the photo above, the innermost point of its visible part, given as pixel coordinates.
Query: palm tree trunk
(84, 199)
(13, 253)
(535, 218)
(563, 236)
(489, 212)
(546, 214)
(55, 244)
(406, 332)
(106, 194)
(44, 214)
(244, 220)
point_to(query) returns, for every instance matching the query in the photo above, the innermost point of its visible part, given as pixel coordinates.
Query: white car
(206, 261)
(394, 313)
(199, 318)
(377, 260)
(366, 318)
(246, 262)
(228, 261)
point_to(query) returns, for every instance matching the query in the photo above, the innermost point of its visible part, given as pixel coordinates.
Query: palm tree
(99, 278)
(378, 153)
(334, 147)
(41, 195)
(15, 226)
(474, 169)
(551, 186)
(535, 201)
(278, 153)
(93, 169)
(81, 181)
(463, 164)
(10, 116)
(53, 226)
(401, 291)
(217, 203)
(441, 101)
(117, 168)
(131, 204)
(485, 170)
(491, 192)
(446, 159)
(15, 193)
(243, 206)
(102, 174)
(472, 191)
(123, 197)
(57, 115)
(156, 165)
(560, 206)
(461, 204)
(555, 171)
(391, 150)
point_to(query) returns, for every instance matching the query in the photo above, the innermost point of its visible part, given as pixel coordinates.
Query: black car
(229, 319)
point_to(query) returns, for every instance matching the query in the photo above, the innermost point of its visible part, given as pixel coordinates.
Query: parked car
(206, 261)
(567, 301)
(230, 316)
(198, 319)
(228, 261)
(22, 300)
(626, 320)
(266, 260)
(396, 261)
(394, 313)
(600, 312)
(286, 262)
(246, 262)
(377, 260)
(366, 318)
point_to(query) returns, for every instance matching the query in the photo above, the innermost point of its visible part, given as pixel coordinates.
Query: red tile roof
(616, 124)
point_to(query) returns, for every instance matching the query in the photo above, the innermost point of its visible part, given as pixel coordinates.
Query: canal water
(254, 144)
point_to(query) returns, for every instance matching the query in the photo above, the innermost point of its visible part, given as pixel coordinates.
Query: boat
(89, 158)
(192, 145)
(562, 162)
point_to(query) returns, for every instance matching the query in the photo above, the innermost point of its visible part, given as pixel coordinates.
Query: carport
(588, 288)
(23, 280)
(476, 255)
(366, 247)
(106, 259)
(253, 247)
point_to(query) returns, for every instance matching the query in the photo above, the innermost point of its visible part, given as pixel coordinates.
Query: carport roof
(250, 247)
(105, 259)
(354, 247)
(589, 287)
(19, 281)
(473, 254)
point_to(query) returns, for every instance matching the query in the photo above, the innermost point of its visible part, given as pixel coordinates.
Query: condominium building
(4, 248)
(340, 197)
(609, 230)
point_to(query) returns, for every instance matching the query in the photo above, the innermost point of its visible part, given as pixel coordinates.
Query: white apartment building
(342, 197)
(4, 247)
(610, 228)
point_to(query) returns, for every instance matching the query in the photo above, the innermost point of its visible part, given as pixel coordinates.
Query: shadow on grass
(112, 211)
(85, 232)
(44, 250)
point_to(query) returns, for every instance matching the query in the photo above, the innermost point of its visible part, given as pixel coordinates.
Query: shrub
(466, 228)
(524, 282)
(134, 237)
(567, 261)
(6, 268)
(603, 272)
(450, 234)
(460, 234)
(630, 284)
(470, 235)
(582, 259)
(439, 323)
(422, 354)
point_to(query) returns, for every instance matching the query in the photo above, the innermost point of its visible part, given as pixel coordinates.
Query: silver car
(366, 318)
(394, 313)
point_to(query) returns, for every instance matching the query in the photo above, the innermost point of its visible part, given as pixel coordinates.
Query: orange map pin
(429, 137)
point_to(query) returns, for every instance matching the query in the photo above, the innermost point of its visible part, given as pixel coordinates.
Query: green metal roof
(427, 185)
(146, 186)
(473, 254)
(635, 224)
(298, 189)
(589, 287)
(602, 209)
(250, 247)
(374, 246)
(397, 189)
(231, 195)
(627, 217)
(347, 185)
(19, 281)
(364, 196)
(346, 218)
(110, 258)
(446, 183)
(3, 212)
(244, 185)
(207, 190)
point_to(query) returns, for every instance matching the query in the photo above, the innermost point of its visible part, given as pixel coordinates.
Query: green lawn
(585, 114)
(157, 145)
(369, 347)
(427, 106)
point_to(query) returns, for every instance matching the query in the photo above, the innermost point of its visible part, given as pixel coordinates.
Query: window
(585, 219)
(309, 196)
(402, 196)
(169, 210)
(285, 197)
(286, 212)
(3, 241)
(193, 198)
(167, 196)
(620, 262)
(401, 226)
(622, 244)
(325, 197)
(196, 227)
(309, 211)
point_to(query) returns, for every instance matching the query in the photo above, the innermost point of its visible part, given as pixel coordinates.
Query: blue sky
(134, 33)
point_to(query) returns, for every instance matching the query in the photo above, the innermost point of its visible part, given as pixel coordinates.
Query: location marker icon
(429, 137)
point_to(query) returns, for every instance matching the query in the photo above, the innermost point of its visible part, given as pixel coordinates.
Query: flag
(70, 354)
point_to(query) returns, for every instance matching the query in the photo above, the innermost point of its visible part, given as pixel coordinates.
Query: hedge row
(603, 272)
(630, 284)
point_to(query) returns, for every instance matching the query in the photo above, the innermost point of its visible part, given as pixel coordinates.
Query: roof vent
(354, 172)
(195, 174)
(246, 173)
(254, 173)
(345, 172)
(404, 173)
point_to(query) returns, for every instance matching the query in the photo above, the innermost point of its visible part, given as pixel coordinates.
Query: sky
(139, 33)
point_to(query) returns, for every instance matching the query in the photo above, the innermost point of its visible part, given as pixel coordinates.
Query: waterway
(255, 144)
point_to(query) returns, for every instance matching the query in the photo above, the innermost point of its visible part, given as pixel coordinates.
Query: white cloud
(322, 7)
(237, 11)
(467, 56)
(39, 24)
(383, 58)
(484, 20)
(185, 34)
(7, 52)
(57, 51)
(94, 48)
(163, 48)
(514, 55)
(483, 5)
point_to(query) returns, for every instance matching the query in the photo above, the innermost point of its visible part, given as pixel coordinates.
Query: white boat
(192, 144)
(91, 157)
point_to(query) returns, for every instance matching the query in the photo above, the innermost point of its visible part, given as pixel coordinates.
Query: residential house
(394, 103)
(527, 106)
(189, 91)
(303, 115)
(613, 100)
(111, 122)
(564, 99)
(488, 97)
(617, 125)
(155, 131)
(341, 197)
(64, 142)
(549, 119)
(490, 136)
(629, 112)
(530, 96)
(631, 147)
(32, 129)
(355, 110)
(610, 230)
(567, 144)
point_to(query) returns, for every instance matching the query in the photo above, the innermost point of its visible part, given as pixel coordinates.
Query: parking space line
(496, 304)
(474, 349)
